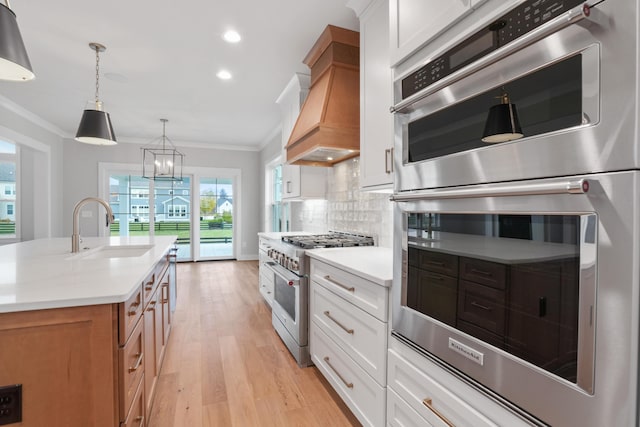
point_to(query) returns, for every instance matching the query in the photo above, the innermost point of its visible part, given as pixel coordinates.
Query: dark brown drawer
(485, 272)
(482, 306)
(439, 262)
(433, 294)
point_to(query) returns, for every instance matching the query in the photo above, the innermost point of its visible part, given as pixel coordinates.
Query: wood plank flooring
(226, 366)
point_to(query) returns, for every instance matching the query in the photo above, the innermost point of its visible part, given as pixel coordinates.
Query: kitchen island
(83, 334)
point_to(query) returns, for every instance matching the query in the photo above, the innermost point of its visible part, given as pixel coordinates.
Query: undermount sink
(114, 252)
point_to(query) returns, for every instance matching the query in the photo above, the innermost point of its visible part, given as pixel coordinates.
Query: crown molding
(31, 117)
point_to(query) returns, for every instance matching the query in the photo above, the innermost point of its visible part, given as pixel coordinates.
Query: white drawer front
(360, 335)
(400, 414)
(415, 387)
(358, 390)
(362, 293)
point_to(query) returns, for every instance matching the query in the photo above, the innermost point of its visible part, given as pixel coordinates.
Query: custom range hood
(327, 130)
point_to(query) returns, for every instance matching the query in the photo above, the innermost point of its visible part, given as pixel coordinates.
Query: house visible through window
(177, 211)
(9, 209)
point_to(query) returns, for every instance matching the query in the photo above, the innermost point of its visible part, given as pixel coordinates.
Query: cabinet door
(149, 318)
(416, 22)
(290, 181)
(376, 122)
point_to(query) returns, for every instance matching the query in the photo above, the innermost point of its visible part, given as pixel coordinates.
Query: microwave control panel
(516, 23)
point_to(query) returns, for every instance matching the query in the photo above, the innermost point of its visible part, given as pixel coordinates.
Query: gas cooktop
(329, 240)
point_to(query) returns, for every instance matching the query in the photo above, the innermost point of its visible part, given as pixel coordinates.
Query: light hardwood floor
(226, 366)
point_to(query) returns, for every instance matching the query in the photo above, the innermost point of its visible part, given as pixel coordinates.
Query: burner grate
(331, 240)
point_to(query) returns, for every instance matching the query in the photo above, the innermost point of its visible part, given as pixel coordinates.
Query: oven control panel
(284, 260)
(514, 24)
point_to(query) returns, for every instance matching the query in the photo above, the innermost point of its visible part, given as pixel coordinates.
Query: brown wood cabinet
(86, 366)
(529, 309)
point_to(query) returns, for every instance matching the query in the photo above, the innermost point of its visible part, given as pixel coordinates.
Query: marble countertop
(370, 262)
(41, 274)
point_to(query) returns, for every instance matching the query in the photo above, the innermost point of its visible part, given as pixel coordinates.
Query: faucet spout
(75, 237)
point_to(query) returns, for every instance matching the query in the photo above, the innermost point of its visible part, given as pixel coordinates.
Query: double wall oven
(516, 263)
(284, 256)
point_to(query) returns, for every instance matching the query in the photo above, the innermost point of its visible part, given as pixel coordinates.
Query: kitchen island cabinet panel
(66, 361)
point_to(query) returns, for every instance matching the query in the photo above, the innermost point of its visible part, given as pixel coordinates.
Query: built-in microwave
(571, 78)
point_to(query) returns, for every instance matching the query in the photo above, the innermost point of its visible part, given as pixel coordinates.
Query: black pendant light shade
(95, 128)
(14, 61)
(502, 123)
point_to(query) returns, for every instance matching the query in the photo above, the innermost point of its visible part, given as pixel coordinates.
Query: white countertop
(41, 274)
(370, 262)
(496, 249)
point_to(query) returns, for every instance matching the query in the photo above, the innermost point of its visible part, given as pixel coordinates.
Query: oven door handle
(567, 187)
(282, 272)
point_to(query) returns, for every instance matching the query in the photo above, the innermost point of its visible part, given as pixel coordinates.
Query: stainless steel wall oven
(516, 263)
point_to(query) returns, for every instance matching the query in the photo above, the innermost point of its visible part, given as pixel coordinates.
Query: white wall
(40, 167)
(81, 180)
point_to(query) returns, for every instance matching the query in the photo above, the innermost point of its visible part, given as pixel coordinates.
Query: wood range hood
(327, 130)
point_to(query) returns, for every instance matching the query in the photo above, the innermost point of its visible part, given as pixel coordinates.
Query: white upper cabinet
(415, 22)
(376, 96)
(298, 182)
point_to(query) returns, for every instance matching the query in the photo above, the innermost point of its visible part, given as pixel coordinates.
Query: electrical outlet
(10, 404)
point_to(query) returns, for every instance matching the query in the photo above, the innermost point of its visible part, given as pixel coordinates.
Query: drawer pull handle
(165, 296)
(140, 420)
(328, 314)
(436, 263)
(433, 277)
(152, 306)
(429, 404)
(348, 288)
(480, 272)
(349, 385)
(138, 362)
(483, 307)
(133, 309)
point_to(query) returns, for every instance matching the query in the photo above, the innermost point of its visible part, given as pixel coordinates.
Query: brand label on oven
(466, 351)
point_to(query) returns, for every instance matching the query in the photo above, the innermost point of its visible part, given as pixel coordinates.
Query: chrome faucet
(75, 237)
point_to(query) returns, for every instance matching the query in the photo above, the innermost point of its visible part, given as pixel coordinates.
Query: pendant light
(95, 126)
(502, 123)
(161, 161)
(14, 61)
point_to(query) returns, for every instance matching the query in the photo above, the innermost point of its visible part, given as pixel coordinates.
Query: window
(8, 184)
(177, 211)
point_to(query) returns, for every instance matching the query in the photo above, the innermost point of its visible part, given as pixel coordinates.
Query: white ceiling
(161, 61)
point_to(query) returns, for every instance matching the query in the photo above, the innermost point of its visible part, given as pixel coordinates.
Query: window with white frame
(177, 211)
(8, 196)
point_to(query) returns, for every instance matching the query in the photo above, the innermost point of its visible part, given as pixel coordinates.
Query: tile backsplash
(347, 208)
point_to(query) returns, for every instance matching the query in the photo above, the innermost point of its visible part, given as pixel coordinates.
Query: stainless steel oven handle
(569, 187)
(569, 17)
(282, 272)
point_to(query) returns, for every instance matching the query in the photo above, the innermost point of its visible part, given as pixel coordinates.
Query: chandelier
(161, 161)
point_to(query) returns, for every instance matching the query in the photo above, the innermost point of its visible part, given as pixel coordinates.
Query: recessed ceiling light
(224, 75)
(231, 36)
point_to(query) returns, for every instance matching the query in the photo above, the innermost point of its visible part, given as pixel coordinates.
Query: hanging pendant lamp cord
(97, 74)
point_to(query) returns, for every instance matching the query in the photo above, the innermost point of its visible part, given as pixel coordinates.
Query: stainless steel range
(287, 262)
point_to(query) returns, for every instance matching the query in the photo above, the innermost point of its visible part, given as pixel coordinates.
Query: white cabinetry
(266, 281)
(298, 182)
(303, 182)
(416, 22)
(348, 338)
(420, 388)
(376, 96)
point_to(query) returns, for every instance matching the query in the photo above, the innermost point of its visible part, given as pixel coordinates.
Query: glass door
(129, 200)
(216, 218)
(172, 207)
